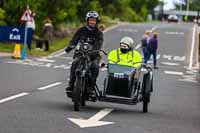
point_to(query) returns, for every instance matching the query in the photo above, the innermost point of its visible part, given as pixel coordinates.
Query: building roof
(180, 13)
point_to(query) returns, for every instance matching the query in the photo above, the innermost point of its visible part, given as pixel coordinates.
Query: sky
(169, 4)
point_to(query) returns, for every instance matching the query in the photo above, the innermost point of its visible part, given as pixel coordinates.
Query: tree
(67, 11)
(194, 5)
(2, 17)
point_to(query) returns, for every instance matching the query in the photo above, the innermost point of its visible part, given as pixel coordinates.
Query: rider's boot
(91, 90)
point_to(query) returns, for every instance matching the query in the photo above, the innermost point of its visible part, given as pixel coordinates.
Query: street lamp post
(198, 18)
(188, 8)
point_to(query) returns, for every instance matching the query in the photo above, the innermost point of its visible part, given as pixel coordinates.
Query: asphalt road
(32, 98)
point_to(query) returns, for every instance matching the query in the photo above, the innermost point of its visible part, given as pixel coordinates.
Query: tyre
(146, 88)
(83, 94)
(77, 94)
(146, 98)
(152, 84)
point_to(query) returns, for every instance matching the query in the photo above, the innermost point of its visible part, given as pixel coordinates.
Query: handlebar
(92, 51)
(95, 51)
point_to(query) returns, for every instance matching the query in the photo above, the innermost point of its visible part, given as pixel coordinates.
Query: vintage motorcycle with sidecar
(123, 84)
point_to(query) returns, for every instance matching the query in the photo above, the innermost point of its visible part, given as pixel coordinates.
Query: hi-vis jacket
(132, 58)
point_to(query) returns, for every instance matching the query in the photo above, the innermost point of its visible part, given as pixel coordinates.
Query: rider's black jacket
(85, 33)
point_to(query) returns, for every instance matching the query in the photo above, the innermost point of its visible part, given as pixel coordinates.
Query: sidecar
(128, 85)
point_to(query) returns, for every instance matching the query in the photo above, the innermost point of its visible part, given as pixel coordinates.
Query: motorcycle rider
(126, 54)
(89, 32)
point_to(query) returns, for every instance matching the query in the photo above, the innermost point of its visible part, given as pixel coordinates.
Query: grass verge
(55, 46)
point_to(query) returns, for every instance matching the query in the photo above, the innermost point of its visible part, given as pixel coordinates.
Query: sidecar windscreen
(115, 68)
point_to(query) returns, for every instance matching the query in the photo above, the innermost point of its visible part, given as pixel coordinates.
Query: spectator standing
(47, 33)
(31, 26)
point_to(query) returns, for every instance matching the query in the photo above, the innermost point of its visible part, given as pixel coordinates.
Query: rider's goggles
(92, 15)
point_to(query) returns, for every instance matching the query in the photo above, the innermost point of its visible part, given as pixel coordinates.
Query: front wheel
(77, 94)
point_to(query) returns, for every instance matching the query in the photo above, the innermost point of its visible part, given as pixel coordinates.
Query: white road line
(111, 28)
(93, 121)
(101, 114)
(66, 58)
(179, 58)
(174, 33)
(190, 76)
(59, 54)
(188, 80)
(45, 60)
(173, 73)
(153, 29)
(13, 97)
(49, 86)
(191, 72)
(158, 56)
(169, 57)
(192, 48)
(170, 63)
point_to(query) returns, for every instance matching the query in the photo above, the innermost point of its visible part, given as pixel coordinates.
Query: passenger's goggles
(123, 45)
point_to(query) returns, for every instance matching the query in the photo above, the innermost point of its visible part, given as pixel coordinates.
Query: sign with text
(15, 34)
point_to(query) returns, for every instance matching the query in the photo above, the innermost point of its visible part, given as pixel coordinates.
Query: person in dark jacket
(89, 32)
(47, 33)
(152, 49)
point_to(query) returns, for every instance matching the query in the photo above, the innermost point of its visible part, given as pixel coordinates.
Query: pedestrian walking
(152, 49)
(144, 45)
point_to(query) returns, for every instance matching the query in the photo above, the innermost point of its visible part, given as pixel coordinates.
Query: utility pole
(161, 10)
(198, 19)
(188, 8)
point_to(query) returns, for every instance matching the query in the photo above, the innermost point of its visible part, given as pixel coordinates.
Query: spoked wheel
(83, 94)
(78, 94)
(146, 92)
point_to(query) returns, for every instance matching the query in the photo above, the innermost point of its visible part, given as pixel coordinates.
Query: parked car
(172, 18)
(195, 20)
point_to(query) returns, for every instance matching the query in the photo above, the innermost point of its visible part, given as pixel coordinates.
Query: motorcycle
(123, 84)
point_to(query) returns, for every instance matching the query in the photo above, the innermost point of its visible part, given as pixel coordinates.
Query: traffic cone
(17, 51)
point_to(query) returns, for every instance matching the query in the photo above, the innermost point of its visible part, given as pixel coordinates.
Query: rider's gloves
(68, 49)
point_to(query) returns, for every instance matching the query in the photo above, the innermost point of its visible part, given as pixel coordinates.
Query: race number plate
(118, 75)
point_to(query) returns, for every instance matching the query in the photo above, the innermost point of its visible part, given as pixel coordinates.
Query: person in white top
(31, 26)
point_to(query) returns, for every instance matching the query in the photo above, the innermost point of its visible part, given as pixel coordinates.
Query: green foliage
(194, 5)
(66, 15)
(130, 15)
(69, 11)
(2, 17)
(144, 13)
